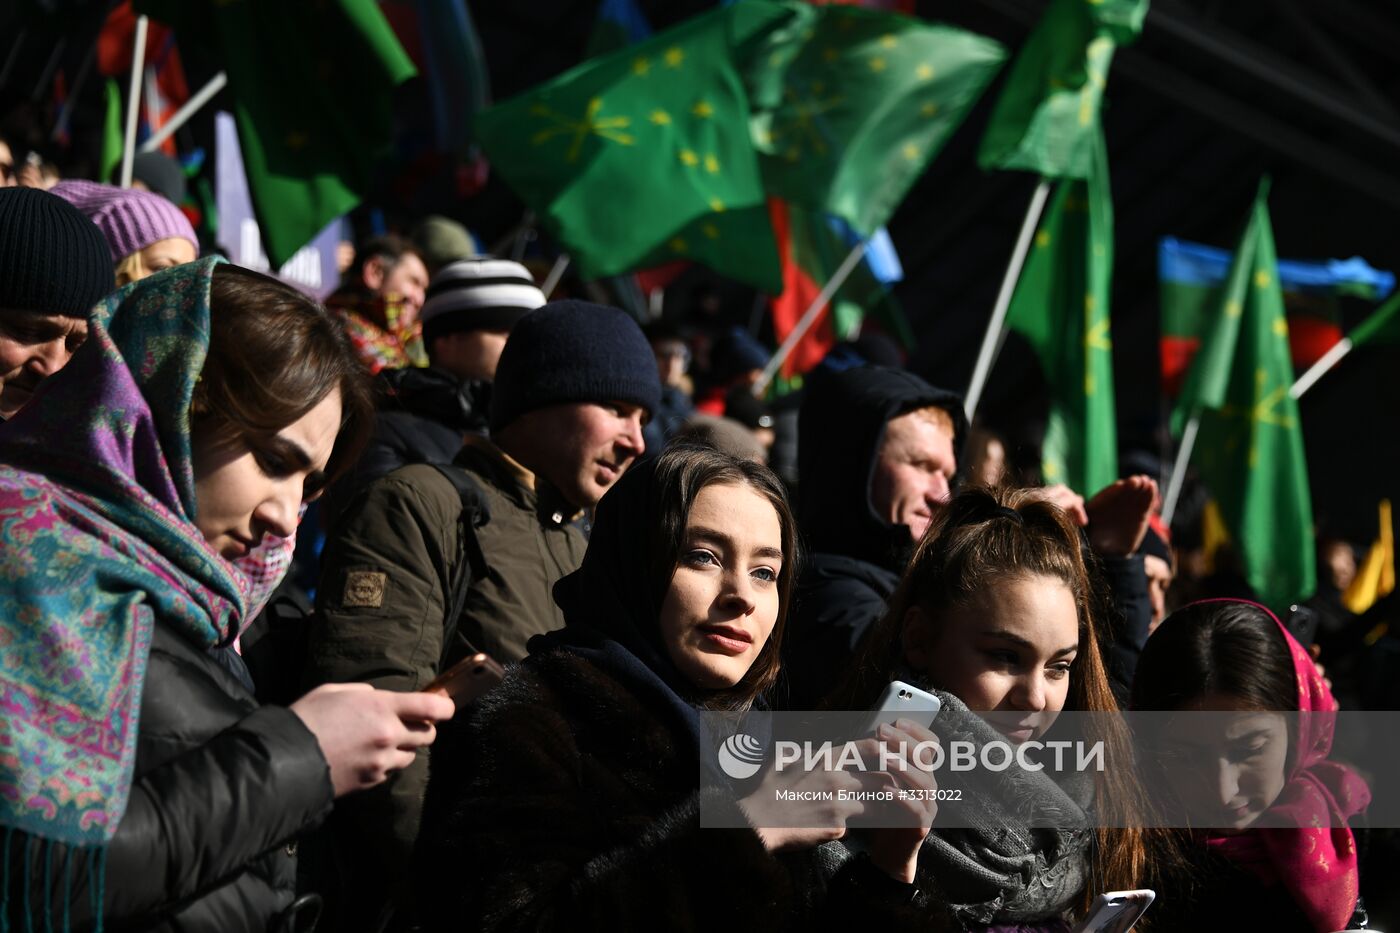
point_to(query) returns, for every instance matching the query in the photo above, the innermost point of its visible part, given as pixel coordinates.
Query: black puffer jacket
(856, 555)
(221, 790)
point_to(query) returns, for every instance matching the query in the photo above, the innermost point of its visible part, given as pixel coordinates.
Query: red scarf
(1317, 861)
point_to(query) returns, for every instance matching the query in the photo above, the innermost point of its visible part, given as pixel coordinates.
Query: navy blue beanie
(573, 351)
(53, 260)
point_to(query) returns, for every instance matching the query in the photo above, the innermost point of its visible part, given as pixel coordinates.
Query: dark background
(1213, 95)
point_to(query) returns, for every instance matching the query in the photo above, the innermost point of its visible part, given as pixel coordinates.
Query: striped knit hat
(478, 294)
(52, 259)
(130, 219)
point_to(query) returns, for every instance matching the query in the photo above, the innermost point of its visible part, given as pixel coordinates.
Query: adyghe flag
(644, 156)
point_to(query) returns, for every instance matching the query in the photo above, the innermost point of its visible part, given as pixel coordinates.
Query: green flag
(312, 85)
(850, 105)
(112, 138)
(1044, 119)
(1383, 326)
(644, 156)
(1061, 307)
(1250, 448)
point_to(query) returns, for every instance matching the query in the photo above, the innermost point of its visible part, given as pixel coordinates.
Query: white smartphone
(903, 701)
(1116, 911)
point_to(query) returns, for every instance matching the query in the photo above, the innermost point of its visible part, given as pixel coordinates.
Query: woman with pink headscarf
(1270, 841)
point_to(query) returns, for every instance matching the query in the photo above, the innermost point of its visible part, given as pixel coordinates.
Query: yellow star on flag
(689, 158)
(677, 245)
(925, 72)
(888, 41)
(712, 164)
(911, 152)
(877, 64)
(710, 230)
(674, 56)
(929, 110)
(717, 205)
(1261, 278)
(641, 65)
(702, 109)
(660, 117)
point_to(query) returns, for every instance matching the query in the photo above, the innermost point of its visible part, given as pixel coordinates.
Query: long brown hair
(680, 473)
(274, 354)
(975, 544)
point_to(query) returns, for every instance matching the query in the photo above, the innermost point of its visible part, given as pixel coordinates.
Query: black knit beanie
(53, 260)
(573, 351)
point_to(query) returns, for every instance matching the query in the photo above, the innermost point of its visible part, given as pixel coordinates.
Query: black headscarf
(612, 604)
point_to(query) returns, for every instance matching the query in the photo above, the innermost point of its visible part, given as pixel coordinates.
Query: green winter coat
(386, 583)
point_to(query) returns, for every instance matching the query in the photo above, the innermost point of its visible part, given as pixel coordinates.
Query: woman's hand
(366, 733)
(805, 819)
(895, 848)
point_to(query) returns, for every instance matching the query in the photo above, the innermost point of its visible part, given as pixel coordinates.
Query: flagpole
(1319, 369)
(809, 318)
(1178, 477)
(556, 273)
(186, 111)
(133, 99)
(991, 340)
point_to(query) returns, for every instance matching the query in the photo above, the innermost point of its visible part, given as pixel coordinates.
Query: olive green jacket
(386, 584)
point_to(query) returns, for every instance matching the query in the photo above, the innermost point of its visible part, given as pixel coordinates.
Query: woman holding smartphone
(1251, 764)
(996, 613)
(573, 799)
(141, 785)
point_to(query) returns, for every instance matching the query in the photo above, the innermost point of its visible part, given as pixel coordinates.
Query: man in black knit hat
(573, 388)
(54, 266)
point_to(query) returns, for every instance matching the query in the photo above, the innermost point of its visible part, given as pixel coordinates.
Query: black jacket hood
(840, 429)
(437, 395)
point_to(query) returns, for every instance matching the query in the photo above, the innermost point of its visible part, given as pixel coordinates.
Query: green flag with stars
(644, 156)
(1061, 307)
(312, 85)
(1250, 448)
(1045, 119)
(850, 105)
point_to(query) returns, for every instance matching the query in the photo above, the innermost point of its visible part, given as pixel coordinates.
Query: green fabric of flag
(1045, 119)
(1383, 326)
(312, 85)
(1250, 448)
(112, 138)
(850, 105)
(644, 156)
(1061, 308)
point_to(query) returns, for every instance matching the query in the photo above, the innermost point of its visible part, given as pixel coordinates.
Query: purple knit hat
(130, 219)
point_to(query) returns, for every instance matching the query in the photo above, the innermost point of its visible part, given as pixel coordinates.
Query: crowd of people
(246, 532)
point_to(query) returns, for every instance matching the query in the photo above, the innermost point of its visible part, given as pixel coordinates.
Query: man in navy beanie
(54, 266)
(573, 388)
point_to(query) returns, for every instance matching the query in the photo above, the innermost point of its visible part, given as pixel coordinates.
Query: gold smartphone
(468, 680)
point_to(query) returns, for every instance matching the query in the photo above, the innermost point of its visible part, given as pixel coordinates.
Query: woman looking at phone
(1252, 764)
(141, 785)
(996, 614)
(573, 800)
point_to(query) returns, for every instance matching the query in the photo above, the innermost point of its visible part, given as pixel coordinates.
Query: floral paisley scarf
(96, 518)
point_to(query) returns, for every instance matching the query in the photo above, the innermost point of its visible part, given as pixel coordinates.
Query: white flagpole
(1319, 369)
(1178, 477)
(991, 340)
(189, 109)
(133, 99)
(809, 318)
(556, 272)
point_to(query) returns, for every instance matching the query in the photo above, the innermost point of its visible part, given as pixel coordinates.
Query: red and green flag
(312, 85)
(811, 250)
(850, 105)
(1250, 448)
(1060, 307)
(1044, 120)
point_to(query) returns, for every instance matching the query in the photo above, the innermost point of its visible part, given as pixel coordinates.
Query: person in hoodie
(877, 456)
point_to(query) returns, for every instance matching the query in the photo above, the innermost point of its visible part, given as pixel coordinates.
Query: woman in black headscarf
(573, 799)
